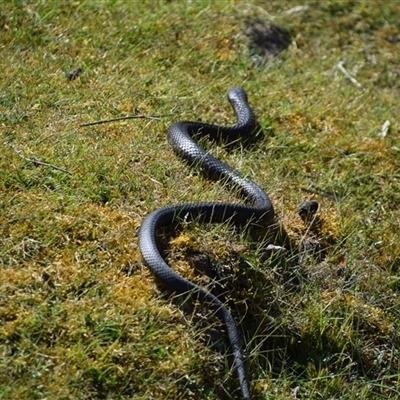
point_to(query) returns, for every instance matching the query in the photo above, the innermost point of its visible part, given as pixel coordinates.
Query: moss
(81, 316)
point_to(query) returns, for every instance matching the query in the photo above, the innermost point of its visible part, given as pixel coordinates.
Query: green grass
(98, 326)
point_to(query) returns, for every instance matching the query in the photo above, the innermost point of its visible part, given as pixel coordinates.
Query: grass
(81, 316)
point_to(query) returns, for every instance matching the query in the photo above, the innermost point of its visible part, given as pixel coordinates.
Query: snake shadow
(254, 287)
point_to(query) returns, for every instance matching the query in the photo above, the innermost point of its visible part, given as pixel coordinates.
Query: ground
(81, 315)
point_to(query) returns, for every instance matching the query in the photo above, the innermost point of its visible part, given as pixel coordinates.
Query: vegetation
(81, 316)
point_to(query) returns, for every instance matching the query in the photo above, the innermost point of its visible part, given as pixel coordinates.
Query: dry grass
(81, 317)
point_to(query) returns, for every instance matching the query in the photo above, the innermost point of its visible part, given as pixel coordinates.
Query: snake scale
(181, 138)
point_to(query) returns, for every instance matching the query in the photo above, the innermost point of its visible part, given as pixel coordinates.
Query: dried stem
(36, 161)
(104, 121)
(348, 76)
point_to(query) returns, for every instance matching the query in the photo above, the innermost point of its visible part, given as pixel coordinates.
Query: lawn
(81, 316)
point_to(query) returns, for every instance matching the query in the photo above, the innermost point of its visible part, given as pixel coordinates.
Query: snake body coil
(180, 137)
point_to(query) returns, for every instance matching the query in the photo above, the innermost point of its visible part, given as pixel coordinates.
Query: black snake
(180, 136)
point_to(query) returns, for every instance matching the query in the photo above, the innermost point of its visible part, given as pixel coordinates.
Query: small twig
(385, 128)
(104, 121)
(348, 76)
(295, 10)
(36, 161)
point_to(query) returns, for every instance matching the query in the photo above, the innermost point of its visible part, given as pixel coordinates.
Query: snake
(257, 209)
